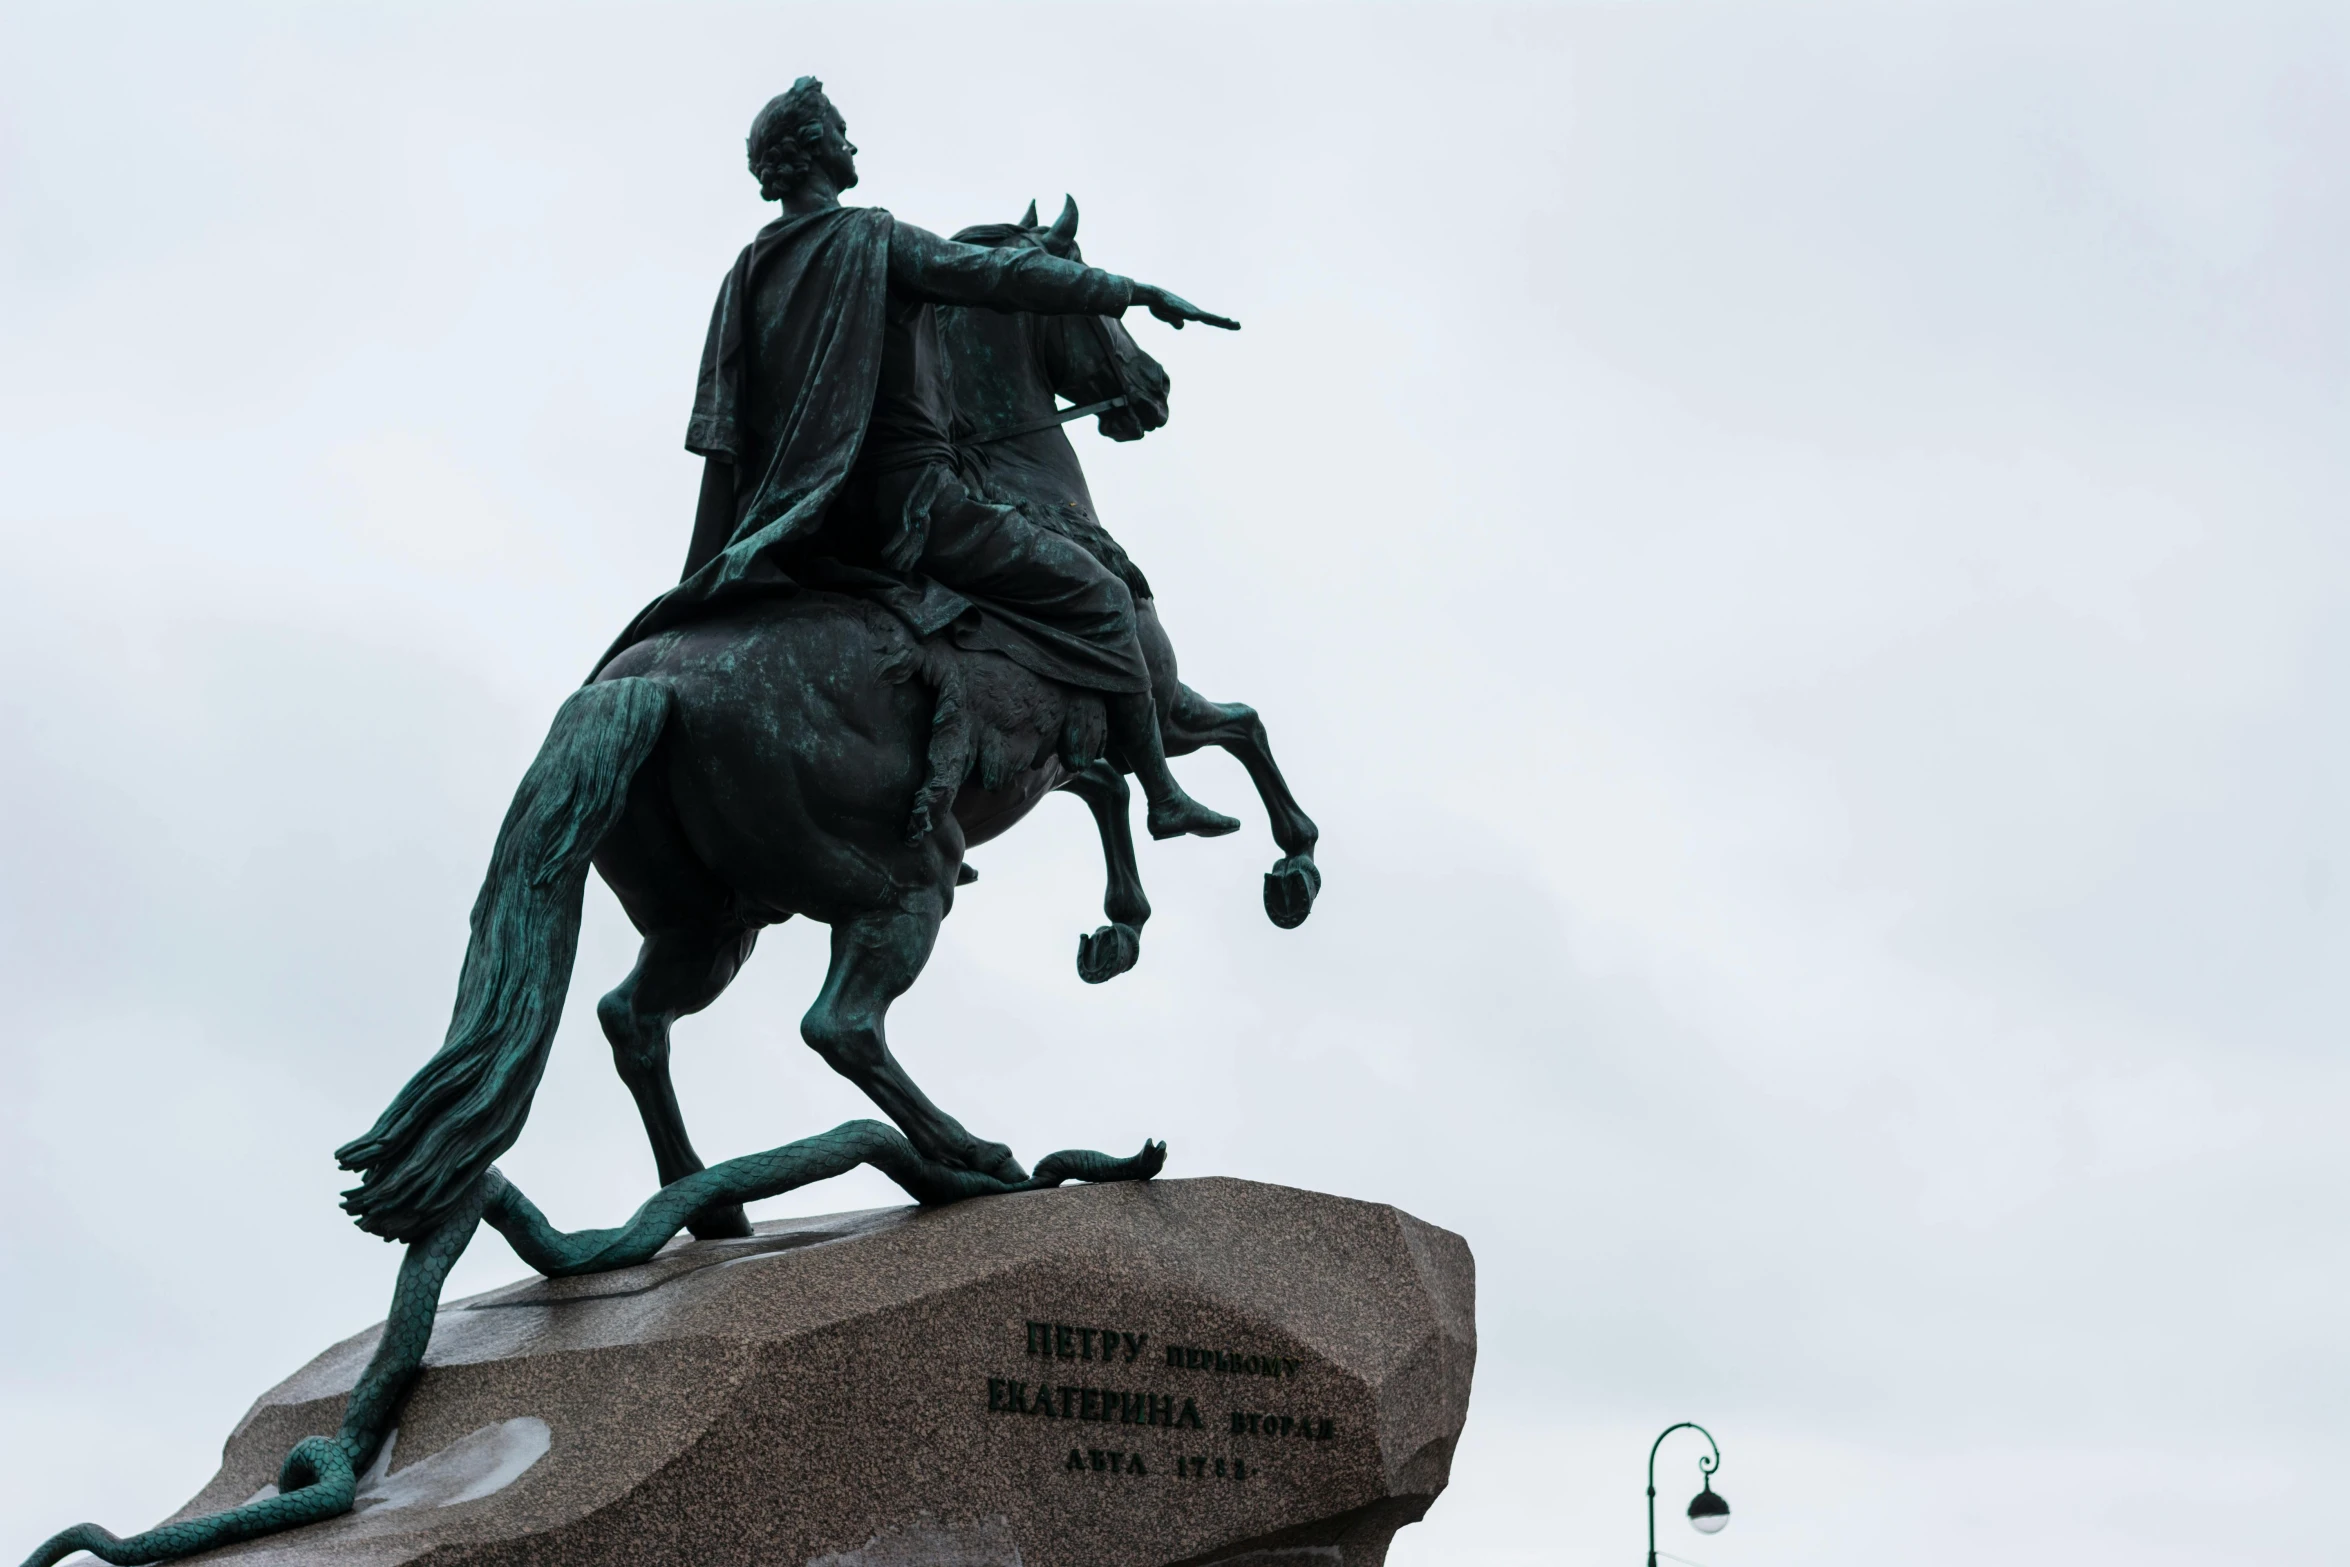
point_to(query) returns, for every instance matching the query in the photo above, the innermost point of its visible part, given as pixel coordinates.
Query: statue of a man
(823, 423)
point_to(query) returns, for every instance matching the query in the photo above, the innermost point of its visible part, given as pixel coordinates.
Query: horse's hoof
(1108, 953)
(714, 1223)
(1290, 889)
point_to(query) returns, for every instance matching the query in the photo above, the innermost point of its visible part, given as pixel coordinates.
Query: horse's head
(1086, 359)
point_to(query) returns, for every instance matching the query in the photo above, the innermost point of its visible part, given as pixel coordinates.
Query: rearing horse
(1007, 369)
(767, 761)
(801, 754)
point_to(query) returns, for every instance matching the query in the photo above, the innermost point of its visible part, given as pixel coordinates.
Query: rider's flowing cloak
(822, 280)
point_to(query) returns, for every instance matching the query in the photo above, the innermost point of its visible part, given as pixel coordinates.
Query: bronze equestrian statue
(900, 626)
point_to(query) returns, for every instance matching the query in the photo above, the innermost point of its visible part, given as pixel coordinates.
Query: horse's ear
(1029, 221)
(1063, 234)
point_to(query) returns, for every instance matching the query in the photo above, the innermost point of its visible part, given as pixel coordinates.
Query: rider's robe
(789, 377)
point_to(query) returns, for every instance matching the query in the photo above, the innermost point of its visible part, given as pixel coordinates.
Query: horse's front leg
(1113, 949)
(1192, 721)
(875, 957)
(1189, 721)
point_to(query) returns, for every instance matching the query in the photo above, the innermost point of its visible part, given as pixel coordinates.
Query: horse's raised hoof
(1290, 889)
(714, 1223)
(1108, 953)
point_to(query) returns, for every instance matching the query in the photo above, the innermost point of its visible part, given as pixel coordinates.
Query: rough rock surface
(1178, 1372)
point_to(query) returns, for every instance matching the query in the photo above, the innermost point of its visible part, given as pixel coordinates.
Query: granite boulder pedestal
(1141, 1375)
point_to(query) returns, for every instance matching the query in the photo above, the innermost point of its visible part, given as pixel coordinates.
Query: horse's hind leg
(1113, 949)
(1192, 721)
(874, 958)
(678, 971)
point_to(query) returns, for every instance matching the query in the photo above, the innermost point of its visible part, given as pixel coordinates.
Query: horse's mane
(993, 235)
(1076, 524)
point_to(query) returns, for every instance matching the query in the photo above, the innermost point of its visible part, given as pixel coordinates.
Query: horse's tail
(467, 1105)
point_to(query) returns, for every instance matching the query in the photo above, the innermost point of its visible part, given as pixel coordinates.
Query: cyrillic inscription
(1064, 1341)
(1185, 1357)
(1164, 1411)
(1008, 1396)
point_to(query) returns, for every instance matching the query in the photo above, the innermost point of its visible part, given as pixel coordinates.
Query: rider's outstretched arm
(942, 272)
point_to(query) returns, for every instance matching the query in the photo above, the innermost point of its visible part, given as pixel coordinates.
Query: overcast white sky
(1796, 552)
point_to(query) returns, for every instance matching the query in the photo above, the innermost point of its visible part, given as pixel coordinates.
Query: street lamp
(1707, 1511)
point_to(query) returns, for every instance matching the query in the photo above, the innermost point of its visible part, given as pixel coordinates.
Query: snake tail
(324, 1489)
(319, 1478)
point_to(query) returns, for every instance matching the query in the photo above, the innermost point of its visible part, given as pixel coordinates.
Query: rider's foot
(1179, 813)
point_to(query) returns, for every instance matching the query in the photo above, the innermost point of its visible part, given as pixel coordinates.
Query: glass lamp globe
(1708, 1512)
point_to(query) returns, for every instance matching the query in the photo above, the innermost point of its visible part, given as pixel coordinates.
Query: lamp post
(1707, 1511)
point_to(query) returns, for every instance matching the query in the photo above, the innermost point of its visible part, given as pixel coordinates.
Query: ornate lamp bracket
(1707, 1464)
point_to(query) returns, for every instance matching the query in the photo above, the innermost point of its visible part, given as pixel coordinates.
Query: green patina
(901, 625)
(319, 1477)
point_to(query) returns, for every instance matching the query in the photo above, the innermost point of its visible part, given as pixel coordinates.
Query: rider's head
(798, 134)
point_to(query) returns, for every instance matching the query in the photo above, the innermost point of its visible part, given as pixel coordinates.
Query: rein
(1064, 416)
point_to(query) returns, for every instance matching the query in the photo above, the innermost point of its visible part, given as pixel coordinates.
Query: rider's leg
(1053, 590)
(1134, 727)
(875, 957)
(677, 972)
